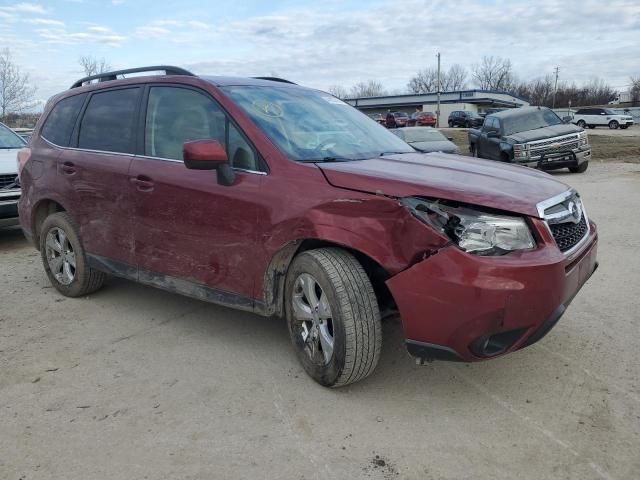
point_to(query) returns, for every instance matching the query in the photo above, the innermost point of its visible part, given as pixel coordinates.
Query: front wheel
(580, 168)
(450, 124)
(581, 123)
(613, 125)
(333, 316)
(64, 258)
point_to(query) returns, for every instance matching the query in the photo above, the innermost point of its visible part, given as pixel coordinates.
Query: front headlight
(583, 138)
(520, 150)
(472, 230)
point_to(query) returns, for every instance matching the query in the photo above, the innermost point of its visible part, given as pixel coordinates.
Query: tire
(581, 123)
(580, 168)
(592, 127)
(613, 125)
(59, 240)
(352, 322)
(467, 124)
(450, 124)
(474, 151)
(624, 127)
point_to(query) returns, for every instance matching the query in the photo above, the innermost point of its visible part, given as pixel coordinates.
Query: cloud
(392, 41)
(45, 21)
(25, 8)
(97, 34)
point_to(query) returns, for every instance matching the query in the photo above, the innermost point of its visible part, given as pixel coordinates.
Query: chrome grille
(9, 181)
(554, 145)
(566, 219)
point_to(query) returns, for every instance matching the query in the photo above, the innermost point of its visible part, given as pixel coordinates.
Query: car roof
(516, 112)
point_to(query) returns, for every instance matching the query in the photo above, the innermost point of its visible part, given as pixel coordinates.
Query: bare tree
(338, 91)
(493, 73)
(426, 81)
(93, 66)
(456, 78)
(16, 95)
(635, 91)
(370, 88)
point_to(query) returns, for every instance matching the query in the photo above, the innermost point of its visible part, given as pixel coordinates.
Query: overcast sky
(320, 43)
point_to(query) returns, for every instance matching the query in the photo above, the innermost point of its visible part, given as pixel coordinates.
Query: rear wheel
(581, 123)
(613, 125)
(624, 127)
(64, 259)
(580, 168)
(333, 316)
(467, 124)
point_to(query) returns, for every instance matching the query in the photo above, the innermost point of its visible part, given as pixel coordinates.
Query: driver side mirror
(208, 155)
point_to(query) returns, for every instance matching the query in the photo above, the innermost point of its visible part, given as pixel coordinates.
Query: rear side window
(108, 123)
(60, 122)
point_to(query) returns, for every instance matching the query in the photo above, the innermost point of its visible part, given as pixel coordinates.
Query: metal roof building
(481, 99)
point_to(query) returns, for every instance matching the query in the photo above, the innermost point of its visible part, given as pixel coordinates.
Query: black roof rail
(275, 79)
(106, 76)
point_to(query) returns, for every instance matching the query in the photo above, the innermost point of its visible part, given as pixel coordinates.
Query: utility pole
(555, 88)
(438, 110)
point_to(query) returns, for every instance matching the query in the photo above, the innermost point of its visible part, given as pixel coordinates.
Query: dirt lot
(608, 145)
(134, 383)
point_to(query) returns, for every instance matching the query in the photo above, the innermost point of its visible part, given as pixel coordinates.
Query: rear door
(188, 226)
(95, 171)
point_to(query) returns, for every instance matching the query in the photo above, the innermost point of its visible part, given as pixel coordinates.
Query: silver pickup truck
(10, 143)
(531, 136)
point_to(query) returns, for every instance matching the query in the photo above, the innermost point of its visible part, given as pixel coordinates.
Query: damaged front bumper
(461, 307)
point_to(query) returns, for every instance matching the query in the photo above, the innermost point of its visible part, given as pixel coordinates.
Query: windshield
(530, 120)
(423, 135)
(8, 139)
(309, 125)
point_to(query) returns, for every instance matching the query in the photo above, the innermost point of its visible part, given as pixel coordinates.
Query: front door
(190, 227)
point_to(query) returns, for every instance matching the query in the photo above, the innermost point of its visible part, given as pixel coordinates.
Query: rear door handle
(68, 168)
(142, 183)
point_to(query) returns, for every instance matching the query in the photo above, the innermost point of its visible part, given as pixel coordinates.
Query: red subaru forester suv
(262, 195)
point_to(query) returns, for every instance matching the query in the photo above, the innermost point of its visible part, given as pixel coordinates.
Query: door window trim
(142, 124)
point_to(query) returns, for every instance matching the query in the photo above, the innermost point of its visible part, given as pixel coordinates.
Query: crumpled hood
(8, 163)
(545, 133)
(451, 177)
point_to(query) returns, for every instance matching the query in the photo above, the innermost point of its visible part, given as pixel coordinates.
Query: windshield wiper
(327, 160)
(382, 154)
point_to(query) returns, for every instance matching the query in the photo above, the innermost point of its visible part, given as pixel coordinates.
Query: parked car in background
(281, 200)
(25, 133)
(396, 119)
(10, 144)
(601, 117)
(378, 117)
(463, 118)
(422, 119)
(426, 140)
(531, 136)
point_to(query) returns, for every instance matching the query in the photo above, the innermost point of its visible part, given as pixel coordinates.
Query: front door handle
(142, 183)
(68, 168)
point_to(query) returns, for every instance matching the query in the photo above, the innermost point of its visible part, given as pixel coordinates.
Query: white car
(10, 143)
(600, 117)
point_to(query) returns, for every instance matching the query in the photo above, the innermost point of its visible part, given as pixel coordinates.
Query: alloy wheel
(312, 313)
(61, 257)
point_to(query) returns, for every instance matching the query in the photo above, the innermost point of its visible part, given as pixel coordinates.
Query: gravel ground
(136, 383)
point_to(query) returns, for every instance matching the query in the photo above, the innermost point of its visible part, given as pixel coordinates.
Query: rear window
(108, 123)
(60, 122)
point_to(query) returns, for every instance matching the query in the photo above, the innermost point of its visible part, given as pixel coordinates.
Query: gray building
(471, 100)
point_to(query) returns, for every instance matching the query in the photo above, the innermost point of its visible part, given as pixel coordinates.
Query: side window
(239, 152)
(108, 123)
(59, 124)
(177, 115)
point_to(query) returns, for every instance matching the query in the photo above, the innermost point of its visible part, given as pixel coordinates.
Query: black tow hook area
(492, 345)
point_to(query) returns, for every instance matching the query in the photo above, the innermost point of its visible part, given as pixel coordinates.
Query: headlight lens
(583, 138)
(520, 150)
(472, 230)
